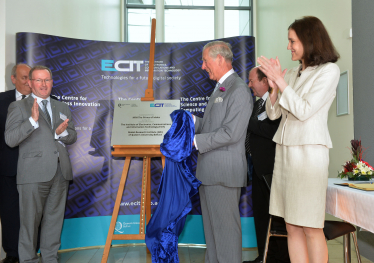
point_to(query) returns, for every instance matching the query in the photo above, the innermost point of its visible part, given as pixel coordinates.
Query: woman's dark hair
(318, 47)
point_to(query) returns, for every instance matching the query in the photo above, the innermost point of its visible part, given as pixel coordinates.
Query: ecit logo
(164, 105)
(157, 105)
(121, 65)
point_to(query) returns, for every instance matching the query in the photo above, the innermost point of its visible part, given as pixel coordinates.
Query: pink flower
(222, 89)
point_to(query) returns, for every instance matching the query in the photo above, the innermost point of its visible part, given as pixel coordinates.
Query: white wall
(84, 19)
(273, 19)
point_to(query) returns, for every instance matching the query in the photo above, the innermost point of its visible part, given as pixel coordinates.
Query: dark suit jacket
(261, 143)
(8, 156)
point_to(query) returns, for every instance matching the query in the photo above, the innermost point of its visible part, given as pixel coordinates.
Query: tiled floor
(138, 254)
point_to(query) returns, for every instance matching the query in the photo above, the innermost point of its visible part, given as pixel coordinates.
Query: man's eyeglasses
(41, 81)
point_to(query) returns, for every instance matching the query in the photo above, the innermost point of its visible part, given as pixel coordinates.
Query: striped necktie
(258, 107)
(256, 111)
(45, 110)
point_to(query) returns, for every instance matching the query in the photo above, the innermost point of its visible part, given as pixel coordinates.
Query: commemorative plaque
(142, 122)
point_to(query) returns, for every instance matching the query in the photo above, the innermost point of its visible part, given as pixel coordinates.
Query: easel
(129, 151)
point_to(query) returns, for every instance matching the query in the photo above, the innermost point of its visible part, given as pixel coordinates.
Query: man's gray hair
(219, 48)
(14, 69)
(39, 67)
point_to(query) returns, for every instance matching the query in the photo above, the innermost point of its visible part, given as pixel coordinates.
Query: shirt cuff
(63, 134)
(35, 124)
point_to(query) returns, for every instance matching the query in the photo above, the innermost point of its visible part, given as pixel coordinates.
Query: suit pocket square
(218, 100)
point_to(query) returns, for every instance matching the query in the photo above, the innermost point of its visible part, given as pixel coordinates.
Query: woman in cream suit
(298, 191)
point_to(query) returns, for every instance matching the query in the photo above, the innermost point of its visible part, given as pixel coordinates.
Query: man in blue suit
(9, 200)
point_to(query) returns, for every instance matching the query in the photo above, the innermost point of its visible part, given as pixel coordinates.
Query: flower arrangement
(222, 89)
(357, 168)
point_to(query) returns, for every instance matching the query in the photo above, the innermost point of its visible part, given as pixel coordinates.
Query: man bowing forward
(221, 164)
(42, 128)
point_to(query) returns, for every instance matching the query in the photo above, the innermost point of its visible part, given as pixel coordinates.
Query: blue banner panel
(89, 76)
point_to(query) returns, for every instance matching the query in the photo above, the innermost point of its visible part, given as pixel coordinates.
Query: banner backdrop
(89, 76)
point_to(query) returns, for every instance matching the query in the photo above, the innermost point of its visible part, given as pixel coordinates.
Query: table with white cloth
(351, 205)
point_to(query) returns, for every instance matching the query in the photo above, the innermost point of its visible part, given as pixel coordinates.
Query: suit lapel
(293, 77)
(227, 85)
(41, 113)
(54, 113)
(210, 103)
(12, 96)
(307, 73)
(29, 102)
(229, 81)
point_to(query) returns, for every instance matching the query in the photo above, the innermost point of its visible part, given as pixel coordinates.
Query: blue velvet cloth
(178, 185)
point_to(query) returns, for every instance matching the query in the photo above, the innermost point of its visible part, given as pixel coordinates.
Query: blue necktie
(217, 86)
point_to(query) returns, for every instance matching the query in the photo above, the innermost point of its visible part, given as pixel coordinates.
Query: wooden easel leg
(148, 195)
(117, 204)
(143, 195)
(148, 208)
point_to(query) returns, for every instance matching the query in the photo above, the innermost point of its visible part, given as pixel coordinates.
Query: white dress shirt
(264, 97)
(19, 95)
(224, 77)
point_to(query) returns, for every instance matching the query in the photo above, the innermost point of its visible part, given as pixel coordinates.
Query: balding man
(221, 164)
(9, 200)
(260, 146)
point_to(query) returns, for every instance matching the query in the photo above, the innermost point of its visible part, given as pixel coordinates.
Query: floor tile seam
(79, 257)
(67, 261)
(93, 255)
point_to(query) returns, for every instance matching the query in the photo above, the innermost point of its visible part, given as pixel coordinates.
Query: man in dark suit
(221, 164)
(9, 200)
(41, 127)
(259, 143)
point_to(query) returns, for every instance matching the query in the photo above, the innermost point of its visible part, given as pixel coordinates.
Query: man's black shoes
(257, 260)
(10, 259)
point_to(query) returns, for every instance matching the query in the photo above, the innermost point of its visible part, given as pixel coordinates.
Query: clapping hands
(62, 127)
(35, 111)
(273, 70)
